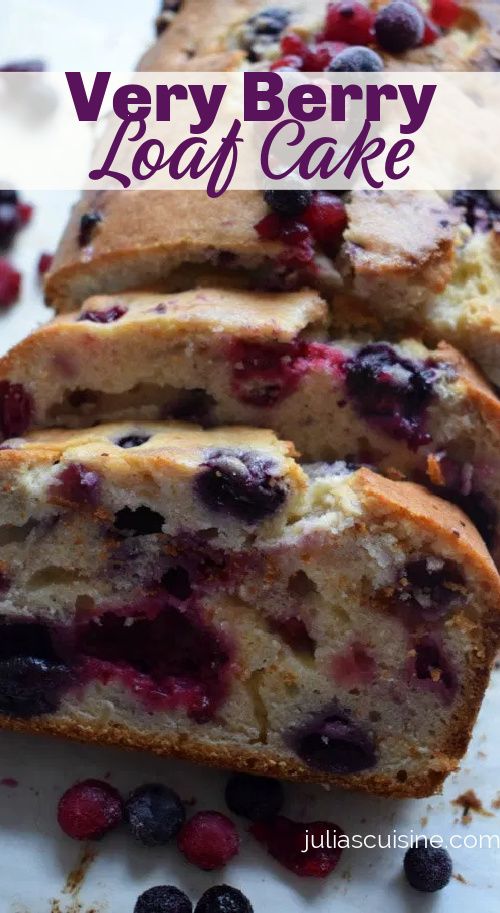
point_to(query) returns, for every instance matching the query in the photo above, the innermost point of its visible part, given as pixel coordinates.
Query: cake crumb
(459, 878)
(77, 875)
(470, 802)
(496, 801)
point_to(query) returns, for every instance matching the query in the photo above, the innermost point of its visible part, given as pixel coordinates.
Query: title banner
(250, 130)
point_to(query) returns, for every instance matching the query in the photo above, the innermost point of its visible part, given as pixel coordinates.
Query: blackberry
(427, 868)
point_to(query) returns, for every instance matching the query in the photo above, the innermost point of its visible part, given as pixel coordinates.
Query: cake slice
(218, 356)
(198, 594)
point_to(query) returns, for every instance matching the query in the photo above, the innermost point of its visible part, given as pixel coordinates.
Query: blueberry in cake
(200, 595)
(216, 356)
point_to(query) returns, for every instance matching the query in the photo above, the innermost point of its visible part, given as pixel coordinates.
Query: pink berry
(89, 809)
(44, 263)
(209, 840)
(350, 21)
(445, 12)
(10, 283)
(319, 56)
(286, 841)
(326, 219)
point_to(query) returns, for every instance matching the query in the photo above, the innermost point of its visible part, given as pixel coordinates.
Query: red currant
(319, 56)
(326, 218)
(445, 12)
(350, 21)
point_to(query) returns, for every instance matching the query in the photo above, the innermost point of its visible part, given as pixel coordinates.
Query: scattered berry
(319, 56)
(288, 63)
(88, 223)
(245, 485)
(431, 33)
(350, 21)
(263, 29)
(427, 868)
(10, 283)
(16, 409)
(77, 485)
(356, 60)
(209, 840)
(154, 814)
(163, 899)
(445, 12)
(288, 202)
(44, 263)
(30, 686)
(293, 44)
(336, 745)
(399, 26)
(326, 218)
(109, 315)
(286, 841)
(223, 899)
(89, 809)
(254, 797)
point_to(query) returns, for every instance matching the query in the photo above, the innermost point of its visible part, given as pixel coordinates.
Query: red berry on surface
(350, 21)
(10, 283)
(89, 809)
(286, 841)
(293, 44)
(319, 56)
(44, 263)
(431, 33)
(209, 840)
(445, 12)
(25, 212)
(269, 228)
(326, 218)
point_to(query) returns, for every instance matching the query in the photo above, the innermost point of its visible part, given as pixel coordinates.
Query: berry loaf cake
(227, 357)
(390, 262)
(199, 594)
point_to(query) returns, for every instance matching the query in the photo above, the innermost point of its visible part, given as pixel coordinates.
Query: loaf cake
(220, 356)
(198, 593)
(393, 263)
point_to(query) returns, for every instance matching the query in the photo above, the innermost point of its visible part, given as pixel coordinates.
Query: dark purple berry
(9, 224)
(139, 522)
(177, 582)
(109, 315)
(430, 666)
(132, 440)
(30, 687)
(27, 639)
(88, 223)
(427, 868)
(288, 202)
(23, 66)
(481, 211)
(223, 899)
(254, 797)
(245, 485)
(9, 196)
(356, 60)
(432, 586)
(336, 745)
(391, 391)
(264, 29)
(154, 814)
(399, 26)
(163, 899)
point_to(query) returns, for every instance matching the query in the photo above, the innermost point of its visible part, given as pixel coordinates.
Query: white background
(35, 859)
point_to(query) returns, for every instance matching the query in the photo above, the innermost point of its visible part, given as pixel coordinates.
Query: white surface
(35, 858)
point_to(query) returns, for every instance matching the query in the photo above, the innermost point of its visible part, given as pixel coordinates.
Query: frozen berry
(222, 898)
(76, 485)
(132, 440)
(30, 686)
(245, 485)
(88, 223)
(326, 219)
(163, 899)
(209, 840)
(293, 44)
(154, 814)
(109, 315)
(139, 522)
(23, 66)
(445, 12)
(10, 283)
(9, 224)
(307, 849)
(16, 409)
(356, 60)
(319, 56)
(254, 797)
(263, 29)
(44, 263)
(350, 21)
(337, 745)
(89, 809)
(288, 202)
(427, 868)
(288, 63)
(399, 26)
